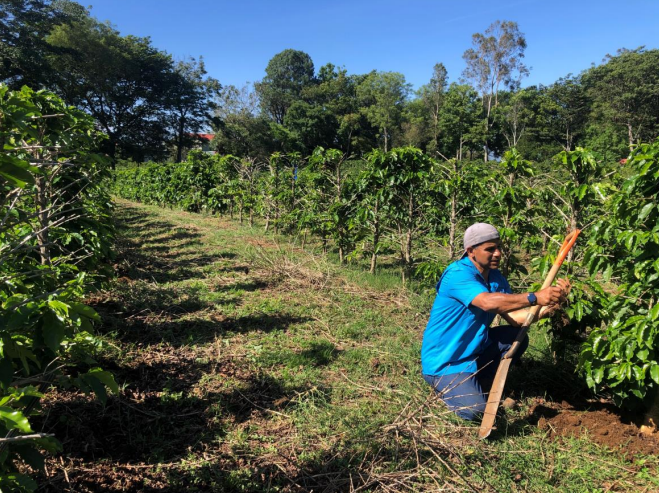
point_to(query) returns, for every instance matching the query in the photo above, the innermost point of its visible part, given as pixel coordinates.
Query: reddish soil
(601, 421)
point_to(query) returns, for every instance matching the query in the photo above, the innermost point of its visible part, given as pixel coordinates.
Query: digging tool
(496, 391)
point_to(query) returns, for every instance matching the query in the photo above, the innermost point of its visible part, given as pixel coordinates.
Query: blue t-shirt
(457, 331)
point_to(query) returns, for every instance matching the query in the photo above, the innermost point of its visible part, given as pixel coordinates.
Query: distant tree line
(608, 108)
(152, 106)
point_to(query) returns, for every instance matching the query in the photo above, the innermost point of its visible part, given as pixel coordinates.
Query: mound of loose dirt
(601, 421)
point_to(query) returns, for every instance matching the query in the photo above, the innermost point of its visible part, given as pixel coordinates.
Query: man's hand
(548, 311)
(516, 318)
(565, 285)
(554, 295)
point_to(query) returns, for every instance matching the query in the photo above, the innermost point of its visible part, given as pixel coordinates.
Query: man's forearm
(500, 303)
(519, 316)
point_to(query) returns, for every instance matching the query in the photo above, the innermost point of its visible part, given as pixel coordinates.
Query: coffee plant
(623, 353)
(55, 225)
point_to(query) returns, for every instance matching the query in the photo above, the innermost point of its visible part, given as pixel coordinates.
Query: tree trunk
(506, 254)
(403, 267)
(408, 233)
(179, 143)
(44, 219)
(452, 227)
(276, 227)
(251, 218)
(341, 255)
(376, 236)
(406, 247)
(630, 134)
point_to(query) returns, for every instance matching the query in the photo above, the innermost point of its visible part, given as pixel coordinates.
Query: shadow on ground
(165, 316)
(188, 417)
(161, 418)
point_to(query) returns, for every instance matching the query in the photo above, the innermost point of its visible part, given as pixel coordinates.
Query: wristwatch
(532, 299)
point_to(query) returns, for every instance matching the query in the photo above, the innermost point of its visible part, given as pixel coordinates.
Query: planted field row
(409, 209)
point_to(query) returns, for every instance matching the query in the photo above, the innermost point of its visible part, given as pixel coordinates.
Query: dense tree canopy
(190, 102)
(24, 27)
(625, 93)
(287, 74)
(138, 95)
(122, 81)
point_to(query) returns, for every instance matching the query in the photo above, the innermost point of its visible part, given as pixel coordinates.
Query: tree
(335, 100)
(623, 354)
(564, 112)
(516, 116)
(123, 82)
(458, 120)
(248, 170)
(507, 205)
(495, 60)
(239, 129)
(453, 184)
(625, 93)
(375, 197)
(432, 96)
(312, 126)
(287, 74)
(55, 229)
(335, 193)
(190, 102)
(581, 188)
(24, 26)
(416, 128)
(383, 95)
(408, 170)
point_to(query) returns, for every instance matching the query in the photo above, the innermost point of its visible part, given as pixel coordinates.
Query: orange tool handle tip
(568, 243)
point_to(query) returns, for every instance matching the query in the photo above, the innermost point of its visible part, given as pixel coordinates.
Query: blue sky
(238, 38)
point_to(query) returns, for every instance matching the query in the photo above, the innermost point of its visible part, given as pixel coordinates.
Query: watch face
(532, 298)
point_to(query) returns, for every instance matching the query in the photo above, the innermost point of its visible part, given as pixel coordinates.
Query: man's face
(487, 255)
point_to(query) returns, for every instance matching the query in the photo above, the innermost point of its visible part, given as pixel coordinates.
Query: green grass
(249, 364)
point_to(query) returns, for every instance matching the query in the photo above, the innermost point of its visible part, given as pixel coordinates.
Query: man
(460, 352)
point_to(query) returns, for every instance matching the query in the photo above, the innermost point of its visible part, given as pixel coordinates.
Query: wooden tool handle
(568, 243)
(496, 392)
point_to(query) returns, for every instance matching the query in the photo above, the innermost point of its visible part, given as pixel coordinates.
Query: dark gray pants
(466, 393)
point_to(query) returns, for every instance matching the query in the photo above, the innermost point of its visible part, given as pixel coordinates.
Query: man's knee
(462, 394)
(471, 413)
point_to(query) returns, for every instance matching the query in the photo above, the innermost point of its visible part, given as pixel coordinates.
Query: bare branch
(23, 438)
